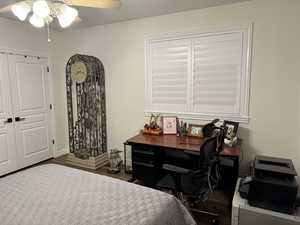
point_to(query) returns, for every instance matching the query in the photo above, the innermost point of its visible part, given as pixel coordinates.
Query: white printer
(244, 214)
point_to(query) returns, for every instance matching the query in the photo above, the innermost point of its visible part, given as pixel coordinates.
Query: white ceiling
(133, 9)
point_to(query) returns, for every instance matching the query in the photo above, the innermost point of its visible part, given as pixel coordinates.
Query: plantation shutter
(217, 73)
(169, 75)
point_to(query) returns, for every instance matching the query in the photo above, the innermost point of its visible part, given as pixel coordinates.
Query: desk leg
(229, 172)
(125, 163)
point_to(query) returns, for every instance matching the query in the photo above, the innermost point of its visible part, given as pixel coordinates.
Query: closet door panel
(30, 88)
(8, 161)
(33, 141)
(31, 109)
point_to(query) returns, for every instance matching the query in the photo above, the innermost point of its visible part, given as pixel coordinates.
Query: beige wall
(275, 98)
(22, 37)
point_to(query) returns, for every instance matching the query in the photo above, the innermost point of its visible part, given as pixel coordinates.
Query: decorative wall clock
(78, 72)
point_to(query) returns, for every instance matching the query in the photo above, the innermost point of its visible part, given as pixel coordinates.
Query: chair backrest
(209, 128)
(209, 149)
(192, 183)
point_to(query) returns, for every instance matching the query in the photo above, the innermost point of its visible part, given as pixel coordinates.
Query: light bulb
(41, 8)
(21, 10)
(37, 21)
(66, 16)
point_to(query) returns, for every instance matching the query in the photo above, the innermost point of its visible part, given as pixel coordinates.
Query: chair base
(215, 217)
(204, 212)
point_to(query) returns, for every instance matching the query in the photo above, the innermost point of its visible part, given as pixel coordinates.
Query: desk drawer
(149, 152)
(143, 149)
(143, 159)
(144, 171)
(143, 155)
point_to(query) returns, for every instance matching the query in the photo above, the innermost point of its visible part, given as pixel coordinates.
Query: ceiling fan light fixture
(45, 11)
(37, 21)
(67, 16)
(21, 10)
(41, 8)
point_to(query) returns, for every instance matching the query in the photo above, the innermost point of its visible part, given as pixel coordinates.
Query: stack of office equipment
(273, 185)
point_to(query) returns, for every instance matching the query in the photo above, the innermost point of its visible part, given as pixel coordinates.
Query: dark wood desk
(149, 153)
(180, 143)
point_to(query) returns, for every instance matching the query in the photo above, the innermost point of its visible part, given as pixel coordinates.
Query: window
(199, 75)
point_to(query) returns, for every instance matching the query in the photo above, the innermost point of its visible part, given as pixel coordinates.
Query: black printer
(273, 185)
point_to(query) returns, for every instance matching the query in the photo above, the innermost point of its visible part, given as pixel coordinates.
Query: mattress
(59, 195)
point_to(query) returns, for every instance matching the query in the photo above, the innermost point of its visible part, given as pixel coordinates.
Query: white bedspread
(58, 195)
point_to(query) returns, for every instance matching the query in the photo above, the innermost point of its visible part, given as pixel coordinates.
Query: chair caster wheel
(216, 221)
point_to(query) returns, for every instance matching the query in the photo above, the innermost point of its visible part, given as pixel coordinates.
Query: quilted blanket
(58, 195)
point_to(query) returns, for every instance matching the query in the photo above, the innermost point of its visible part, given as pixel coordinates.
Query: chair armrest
(199, 173)
(175, 169)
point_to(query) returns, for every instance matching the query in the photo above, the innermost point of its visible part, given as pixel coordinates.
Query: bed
(58, 195)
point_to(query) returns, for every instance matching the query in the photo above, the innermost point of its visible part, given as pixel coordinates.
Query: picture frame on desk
(169, 124)
(195, 130)
(231, 128)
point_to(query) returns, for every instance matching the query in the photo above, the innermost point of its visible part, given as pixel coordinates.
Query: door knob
(18, 119)
(9, 120)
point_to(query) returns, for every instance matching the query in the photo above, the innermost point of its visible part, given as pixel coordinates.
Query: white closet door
(30, 93)
(7, 143)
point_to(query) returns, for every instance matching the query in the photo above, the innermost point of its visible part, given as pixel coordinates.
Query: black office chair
(188, 184)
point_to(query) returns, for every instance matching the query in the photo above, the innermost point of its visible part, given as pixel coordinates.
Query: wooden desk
(180, 143)
(148, 156)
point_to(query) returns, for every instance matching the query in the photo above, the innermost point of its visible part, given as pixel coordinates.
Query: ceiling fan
(43, 12)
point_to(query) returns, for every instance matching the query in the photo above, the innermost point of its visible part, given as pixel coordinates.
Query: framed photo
(169, 124)
(195, 130)
(232, 128)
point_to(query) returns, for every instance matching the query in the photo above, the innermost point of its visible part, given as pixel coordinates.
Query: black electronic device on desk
(272, 184)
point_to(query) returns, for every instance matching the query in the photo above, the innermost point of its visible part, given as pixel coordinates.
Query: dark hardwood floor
(102, 171)
(218, 203)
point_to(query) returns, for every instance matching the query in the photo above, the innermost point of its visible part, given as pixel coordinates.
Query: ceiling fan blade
(96, 3)
(5, 9)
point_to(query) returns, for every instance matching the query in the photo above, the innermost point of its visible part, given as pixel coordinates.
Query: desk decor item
(169, 124)
(182, 130)
(153, 127)
(195, 130)
(85, 83)
(115, 161)
(231, 132)
(151, 131)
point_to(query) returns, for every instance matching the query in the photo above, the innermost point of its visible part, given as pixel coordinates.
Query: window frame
(243, 116)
